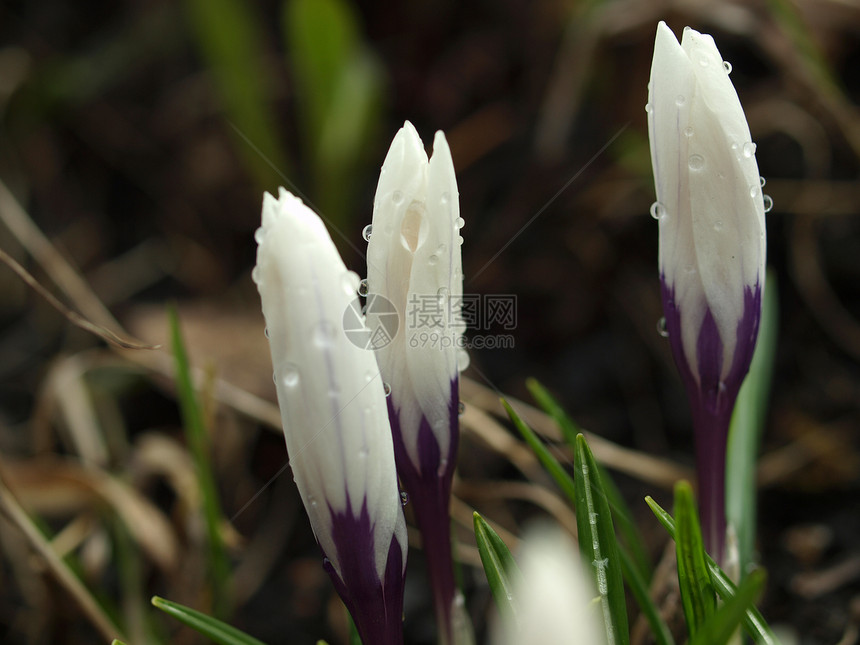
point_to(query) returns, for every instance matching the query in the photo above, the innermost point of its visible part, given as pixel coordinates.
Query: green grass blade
(748, 421)
(637, 585)
(229, 36)
(620, 510)
(212, 628)
(550, 463)
(197, 437)
(753, 622)
(724, 623)
(499, 566)
(697, 594)
(598, 545)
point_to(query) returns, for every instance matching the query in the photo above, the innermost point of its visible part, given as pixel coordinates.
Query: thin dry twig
(60, 570)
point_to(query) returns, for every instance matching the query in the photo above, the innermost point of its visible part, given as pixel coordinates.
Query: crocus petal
(332, 403)
(712, 240)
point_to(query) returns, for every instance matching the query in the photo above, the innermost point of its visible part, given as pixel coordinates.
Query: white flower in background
(414, 261)
(554, 598)
(334, 415)
(710, 210)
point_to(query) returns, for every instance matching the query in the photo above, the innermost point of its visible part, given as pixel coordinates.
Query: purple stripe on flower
(712, 398)
(428, 485)
(376, 606)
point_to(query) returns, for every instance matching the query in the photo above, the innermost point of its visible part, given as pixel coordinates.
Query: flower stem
(711, 436)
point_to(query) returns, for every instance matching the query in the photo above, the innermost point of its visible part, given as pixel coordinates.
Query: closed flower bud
(414, 261)
(710, 211)
(334, 415)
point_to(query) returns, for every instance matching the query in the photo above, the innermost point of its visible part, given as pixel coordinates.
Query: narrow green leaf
(354, 637)
(499, 566)
(748, 421)
(229, 36)
(550, 463)
(597, 543)
(212, 628)
(197, 437)
(724, 623)
(753, 622)
(697, 594)
(620, 510)
(659, 629)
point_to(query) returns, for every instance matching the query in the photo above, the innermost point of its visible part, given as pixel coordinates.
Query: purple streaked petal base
(428, 485)
(712, 400)
(376, 606)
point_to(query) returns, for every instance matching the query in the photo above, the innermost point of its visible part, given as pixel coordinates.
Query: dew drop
(648, 108)
(762, 181)
(657, 210)
(718, 226)
(460, 223)
(443, 466)
(680, 100)
(696, 162)
(364, 453)
(366, 231)
(754, 190)
(404, 498)
(369, 375)
(259, 234)
(703, 59)
(661, 328)
(324, 334)
(727, 66)
(460, 240)
(362, 287)
(312, 501)
(290, 375)
(442, 292)
(266, 332)
(432, 260)
(255, 274)
(768, 203)
(688, 131)
(386, 388)
(461, 409)
(445, 198)
(462, 360)
(749, 149)
(397, 197)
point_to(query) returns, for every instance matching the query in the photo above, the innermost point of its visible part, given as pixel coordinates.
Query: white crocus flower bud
(710, 210)
(554, 599)
(414, 262)
(334, 415)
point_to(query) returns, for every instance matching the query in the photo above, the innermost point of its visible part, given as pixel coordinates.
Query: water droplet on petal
(768, 203)
(648, 108)
(404, 498)
(680, 100)
(696, 162)
(460, 240)
(432, 260)
(749, 149)
(290, 375)
(702, 58)
(397, 197)
(754, 190)
(324, 333)
(688, 131)
(462, 360)
(461, 409)
(255, 274)
(445, 198)
(718, 226)
(259, 234)
(366, 231)
(661, 328)
(386, 388)
(727, 66)
(362, 287)
(762, 181)
(312, 501)
(363, 452)
(657, 210)
(266, 332)
(460, 223)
